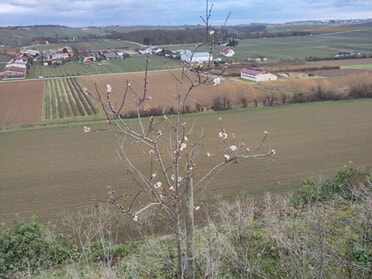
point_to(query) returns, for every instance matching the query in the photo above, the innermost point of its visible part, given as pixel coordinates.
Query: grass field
(134, 63)
(363, 66)
(49, 171)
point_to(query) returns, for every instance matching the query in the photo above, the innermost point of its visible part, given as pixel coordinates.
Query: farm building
(257, 58)
(12, 71)
(196, 56)
(255, 74)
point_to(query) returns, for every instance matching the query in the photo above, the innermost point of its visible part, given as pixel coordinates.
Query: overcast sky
(80, 13)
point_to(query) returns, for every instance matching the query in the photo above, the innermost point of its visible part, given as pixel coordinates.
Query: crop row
(65, 98)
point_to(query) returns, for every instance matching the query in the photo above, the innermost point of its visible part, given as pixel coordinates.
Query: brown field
(21, 101)
(50, 171)
(162, 88)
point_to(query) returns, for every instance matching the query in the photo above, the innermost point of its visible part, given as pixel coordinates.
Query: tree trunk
(190, 253)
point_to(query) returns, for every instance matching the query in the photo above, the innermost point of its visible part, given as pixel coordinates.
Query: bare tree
(168, 182)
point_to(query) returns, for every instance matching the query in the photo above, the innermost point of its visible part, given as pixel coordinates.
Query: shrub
(342, 185)
(28, 247)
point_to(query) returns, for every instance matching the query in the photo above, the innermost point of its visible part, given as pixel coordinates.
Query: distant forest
(146, 36)
(182, 36)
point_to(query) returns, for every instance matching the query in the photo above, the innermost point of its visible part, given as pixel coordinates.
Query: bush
(342, 185)
(28, 247)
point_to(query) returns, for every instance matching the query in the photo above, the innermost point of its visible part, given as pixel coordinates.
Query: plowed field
(21, 101)
(162, 87)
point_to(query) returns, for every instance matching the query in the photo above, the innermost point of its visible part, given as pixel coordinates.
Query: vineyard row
(65, 98)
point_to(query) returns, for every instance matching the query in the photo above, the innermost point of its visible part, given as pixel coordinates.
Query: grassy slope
(47, 171)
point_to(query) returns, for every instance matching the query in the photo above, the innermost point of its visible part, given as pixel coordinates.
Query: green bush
(28, 247)
(341, 185)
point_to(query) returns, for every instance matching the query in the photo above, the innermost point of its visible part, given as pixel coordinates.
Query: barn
(257, 75)
(200, 57)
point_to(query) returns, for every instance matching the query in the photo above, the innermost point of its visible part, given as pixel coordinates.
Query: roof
(253, 71)
(13, 69)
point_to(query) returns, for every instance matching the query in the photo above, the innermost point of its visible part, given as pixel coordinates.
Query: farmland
(52, 170)
(65, 98)
(48, 171)
(21, 102)
(134, 63)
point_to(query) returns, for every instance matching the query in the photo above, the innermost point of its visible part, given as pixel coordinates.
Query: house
(200, 57)
(111, 55)
(89, 59)
(147, 50)
(257, 75)
(66, 49)
(257, 58)
(170, 53)
(227, 52)
(51, 57)
(33, 53)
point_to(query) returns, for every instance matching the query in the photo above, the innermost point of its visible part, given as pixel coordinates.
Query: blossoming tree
(171, 147)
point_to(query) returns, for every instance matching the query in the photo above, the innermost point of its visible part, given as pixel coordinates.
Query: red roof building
(257, 75)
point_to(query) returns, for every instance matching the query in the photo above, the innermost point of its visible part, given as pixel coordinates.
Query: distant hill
(16, 36)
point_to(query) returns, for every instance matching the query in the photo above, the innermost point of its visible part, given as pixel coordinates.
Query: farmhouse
(201, 57)
(52, 57)
(257, 75)
(227, 52)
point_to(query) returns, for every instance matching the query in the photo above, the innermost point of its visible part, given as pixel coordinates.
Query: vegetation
(279, 236)
(29, 247)
(64, 98)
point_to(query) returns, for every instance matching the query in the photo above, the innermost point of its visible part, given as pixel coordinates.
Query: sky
(82, 13)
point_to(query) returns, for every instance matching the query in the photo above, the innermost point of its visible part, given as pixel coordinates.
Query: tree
(169, 181)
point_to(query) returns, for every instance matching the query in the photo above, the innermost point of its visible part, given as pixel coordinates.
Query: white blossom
(216, 81)
(157, 185)
(179, 179)
(227, 157)
(86, 129)
(222, 135)
(183, 146)
(108, 88)
(233, 148)
(135, 218)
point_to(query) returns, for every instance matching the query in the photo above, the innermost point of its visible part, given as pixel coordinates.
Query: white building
(254, 74)
(200, 57)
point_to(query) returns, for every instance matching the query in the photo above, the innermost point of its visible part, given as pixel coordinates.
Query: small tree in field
(168, 181)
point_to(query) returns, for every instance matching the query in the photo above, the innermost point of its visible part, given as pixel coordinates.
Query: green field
(48, 171)
(366, 66)
(134, 63)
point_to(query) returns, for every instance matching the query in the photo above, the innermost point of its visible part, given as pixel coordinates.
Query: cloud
(174, 12)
